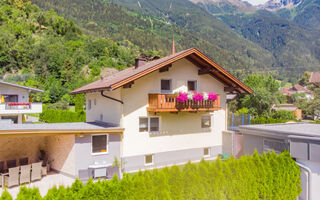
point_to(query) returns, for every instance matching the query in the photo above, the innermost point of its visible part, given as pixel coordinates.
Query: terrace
(17, 108)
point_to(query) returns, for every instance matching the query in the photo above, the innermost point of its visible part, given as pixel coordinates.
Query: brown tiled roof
(301, 88)
(315, 77)
(130, 74)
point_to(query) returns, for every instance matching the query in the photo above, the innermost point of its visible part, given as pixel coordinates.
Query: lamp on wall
(80, 135)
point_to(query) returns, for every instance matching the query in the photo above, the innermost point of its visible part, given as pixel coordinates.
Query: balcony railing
(15, 108)
(168, 103)
(18, 106)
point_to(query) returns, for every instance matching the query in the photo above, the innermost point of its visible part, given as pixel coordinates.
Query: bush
(58, 116)
(283, 114)
(266, 176)
(60, 105)
(269, 120)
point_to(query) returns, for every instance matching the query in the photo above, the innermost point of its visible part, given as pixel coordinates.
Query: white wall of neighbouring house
(177, 131)
(315, 177)
(23, 94)
(102, 108)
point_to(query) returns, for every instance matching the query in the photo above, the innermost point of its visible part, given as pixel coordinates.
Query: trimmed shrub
(283, 114)
(269, 120)
(266, 176)
(59, 116)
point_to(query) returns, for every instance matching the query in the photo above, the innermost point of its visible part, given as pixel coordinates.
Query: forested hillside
(242, 43)
(152, 26)
(295, 48)
(307, 14)
(46, 51)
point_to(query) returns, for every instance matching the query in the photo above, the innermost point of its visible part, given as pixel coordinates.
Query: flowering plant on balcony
(18, 104)
(197, 97)
(182, 97)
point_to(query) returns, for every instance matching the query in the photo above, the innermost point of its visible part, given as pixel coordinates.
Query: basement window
(206, 152)
(148, 160)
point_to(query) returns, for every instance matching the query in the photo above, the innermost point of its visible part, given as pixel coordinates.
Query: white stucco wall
(315, 177)
(23, 94)
(177, 131)
(111, 110)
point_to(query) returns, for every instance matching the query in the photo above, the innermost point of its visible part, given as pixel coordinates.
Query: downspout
(309, 179)
(121, 144)
(111, 98)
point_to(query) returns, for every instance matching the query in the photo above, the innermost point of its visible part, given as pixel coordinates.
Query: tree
(304, 80)
(266, 93)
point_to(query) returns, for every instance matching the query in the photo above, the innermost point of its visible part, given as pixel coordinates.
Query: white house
(135, 116)
(157, 130)
(15, 102)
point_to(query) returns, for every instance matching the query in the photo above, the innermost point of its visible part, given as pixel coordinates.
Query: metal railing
(235, 120)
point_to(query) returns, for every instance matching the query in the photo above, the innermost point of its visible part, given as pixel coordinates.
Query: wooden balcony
(168, 103)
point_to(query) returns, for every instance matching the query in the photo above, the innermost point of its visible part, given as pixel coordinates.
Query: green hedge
(57, 116)
(267, 176)
(269, 120)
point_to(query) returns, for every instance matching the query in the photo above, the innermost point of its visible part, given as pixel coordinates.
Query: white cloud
(257, 2)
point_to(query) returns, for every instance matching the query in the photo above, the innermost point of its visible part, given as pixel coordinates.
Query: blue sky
(257, 2)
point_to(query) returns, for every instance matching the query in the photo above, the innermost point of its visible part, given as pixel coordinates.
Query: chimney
(140, 62)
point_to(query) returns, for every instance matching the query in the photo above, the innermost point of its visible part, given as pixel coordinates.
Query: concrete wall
(162, 159)
(110, 110)
(15, 147)
(62, 153)
(23, 94)
(84, 156)
(227, 142)
(252, 142)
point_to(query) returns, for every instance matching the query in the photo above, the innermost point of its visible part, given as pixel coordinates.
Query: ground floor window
(277, 146)
(99, 144)
(149, 159)
(149, 124)
(206, 152)
(14, 119)
(206, 121)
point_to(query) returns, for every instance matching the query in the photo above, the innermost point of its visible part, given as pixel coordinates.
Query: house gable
(204, 63)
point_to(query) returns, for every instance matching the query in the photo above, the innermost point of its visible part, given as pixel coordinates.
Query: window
(277, 146)
(101, 117)
(154, 124)
(149, 124)
(89, 104)
(10, 98)
(143, 124)
(14, 119)
(99, 144)
(206, 152)
(148, 159)
(206, 121)
(165, 86)
(192, 85)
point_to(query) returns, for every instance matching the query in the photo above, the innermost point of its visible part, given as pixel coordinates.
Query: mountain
(151, 25)
(225, 6)
(272, 5)
(306, 14)
(296, 49)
